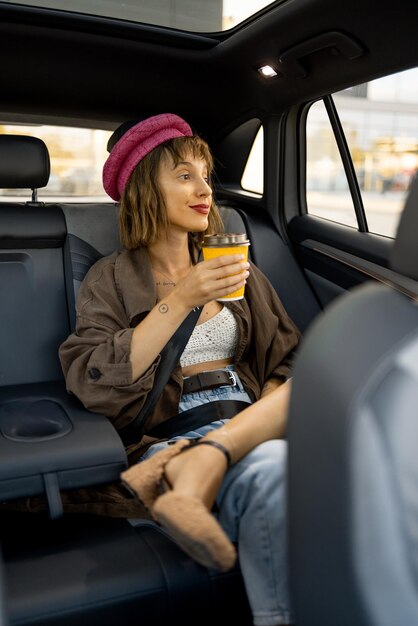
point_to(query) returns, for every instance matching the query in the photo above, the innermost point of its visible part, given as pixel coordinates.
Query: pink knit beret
(137, 142)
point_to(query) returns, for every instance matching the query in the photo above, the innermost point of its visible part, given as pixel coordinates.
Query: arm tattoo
(163, 308)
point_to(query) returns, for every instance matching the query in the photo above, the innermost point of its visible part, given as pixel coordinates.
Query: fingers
(226, 265)
(221, 281)
(213, 279)
(227, 287)
(231, 280)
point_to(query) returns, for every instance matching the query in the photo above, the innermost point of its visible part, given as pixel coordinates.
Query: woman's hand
(206, 281)
(212, 279)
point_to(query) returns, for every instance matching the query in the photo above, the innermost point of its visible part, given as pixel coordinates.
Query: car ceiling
(75, 66)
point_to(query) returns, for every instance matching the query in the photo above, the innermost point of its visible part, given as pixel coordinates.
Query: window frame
(345, 155)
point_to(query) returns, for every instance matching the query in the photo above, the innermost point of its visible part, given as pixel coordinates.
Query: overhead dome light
(267, 71)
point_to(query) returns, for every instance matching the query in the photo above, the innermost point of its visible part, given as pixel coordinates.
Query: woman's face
(186, 192)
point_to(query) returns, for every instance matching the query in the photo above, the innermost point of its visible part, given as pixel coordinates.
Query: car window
(197, 16)
(77, 156)
(327, 191)
(380, 124)
(252, 178)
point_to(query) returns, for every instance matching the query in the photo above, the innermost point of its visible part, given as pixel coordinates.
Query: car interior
(350, 288)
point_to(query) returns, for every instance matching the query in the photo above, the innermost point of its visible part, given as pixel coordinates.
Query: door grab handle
(346, 45)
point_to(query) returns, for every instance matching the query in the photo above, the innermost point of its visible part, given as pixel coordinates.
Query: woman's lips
(201, 208)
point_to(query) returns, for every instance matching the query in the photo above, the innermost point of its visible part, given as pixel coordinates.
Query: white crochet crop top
(215, 339)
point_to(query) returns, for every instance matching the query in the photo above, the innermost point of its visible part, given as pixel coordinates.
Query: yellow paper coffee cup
(226, 243)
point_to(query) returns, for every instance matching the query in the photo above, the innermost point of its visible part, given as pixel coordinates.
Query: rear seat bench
(75, 569)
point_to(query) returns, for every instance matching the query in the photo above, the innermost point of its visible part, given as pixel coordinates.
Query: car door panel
(336, 258)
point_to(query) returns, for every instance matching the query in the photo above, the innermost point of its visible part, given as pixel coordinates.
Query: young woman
(129, 306)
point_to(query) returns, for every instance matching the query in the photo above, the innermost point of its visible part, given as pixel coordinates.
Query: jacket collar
(135, 282)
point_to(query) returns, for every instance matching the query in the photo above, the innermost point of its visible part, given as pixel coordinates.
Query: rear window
(252, 178)
(77, 158)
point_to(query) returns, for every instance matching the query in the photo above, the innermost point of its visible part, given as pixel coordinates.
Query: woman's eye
(185, 176)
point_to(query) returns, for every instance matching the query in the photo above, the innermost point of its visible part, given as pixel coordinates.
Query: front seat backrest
(353, 465)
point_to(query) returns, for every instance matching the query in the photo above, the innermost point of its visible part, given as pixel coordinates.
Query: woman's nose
(204, 188)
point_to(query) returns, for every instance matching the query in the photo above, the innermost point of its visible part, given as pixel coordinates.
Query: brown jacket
(117, 293)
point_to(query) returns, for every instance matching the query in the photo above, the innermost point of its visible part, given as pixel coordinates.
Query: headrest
(404, 255)
(24, 162)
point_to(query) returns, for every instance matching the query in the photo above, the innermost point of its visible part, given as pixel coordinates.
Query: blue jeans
(252, 510)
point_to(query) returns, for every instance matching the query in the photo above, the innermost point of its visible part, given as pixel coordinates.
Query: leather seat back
(48, 441)
(353, 466)
(34, 316)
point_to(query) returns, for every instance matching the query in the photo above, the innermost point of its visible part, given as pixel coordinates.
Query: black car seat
(71, 569)
(48, 441)
(353, 462)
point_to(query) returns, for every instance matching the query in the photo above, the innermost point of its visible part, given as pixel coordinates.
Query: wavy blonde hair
(143, 212)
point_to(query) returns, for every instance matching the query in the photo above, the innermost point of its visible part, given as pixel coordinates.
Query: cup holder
(33, 420)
